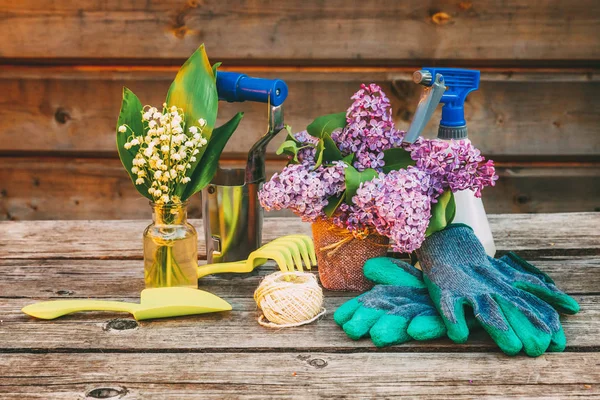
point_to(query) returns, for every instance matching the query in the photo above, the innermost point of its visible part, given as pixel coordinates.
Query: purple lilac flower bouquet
(353, 169)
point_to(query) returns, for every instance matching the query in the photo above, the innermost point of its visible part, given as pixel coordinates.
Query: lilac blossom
(370, 129)
(306, 155)
(397, 205)
(455, 165)
(303, 190)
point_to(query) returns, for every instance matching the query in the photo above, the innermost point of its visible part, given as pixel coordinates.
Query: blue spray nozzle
(459, 83)
(236, 87)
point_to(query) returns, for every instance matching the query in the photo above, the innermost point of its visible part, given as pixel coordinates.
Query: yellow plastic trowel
(154, 303)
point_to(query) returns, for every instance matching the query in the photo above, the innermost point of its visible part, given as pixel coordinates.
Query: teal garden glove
(396, 310)
(514, 302)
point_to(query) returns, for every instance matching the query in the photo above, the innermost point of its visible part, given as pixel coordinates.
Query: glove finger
(452, 311)
(562, 302)
(390, 271)
(539, 284)
(539, 313)
(361, 322)
(427, 327)
(389, 330)
(490, 316)
(535, 340)
(345, 312)
(523, 266)
(558, 343)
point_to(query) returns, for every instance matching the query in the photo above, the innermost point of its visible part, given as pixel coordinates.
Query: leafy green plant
(193, 92)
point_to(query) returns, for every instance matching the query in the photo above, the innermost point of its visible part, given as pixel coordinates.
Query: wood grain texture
(228, 355)
(300, 375)
(235, 330)
(384, 31)
(121, 239)
(87, 188)
(520, 113)
(68, 278)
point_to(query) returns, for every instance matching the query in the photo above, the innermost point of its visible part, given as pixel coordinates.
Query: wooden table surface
(228, 355)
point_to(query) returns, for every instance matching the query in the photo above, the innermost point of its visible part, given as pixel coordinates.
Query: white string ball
(289, 299)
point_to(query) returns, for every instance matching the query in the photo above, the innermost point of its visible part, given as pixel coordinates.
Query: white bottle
(470, 211)
(451, 86)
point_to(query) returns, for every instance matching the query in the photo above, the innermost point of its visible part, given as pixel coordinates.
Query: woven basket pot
(341, 267)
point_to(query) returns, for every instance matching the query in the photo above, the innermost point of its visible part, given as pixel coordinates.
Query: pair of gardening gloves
(513, 301)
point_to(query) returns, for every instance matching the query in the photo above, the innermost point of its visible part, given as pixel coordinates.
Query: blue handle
(236, 87)
(459, 82)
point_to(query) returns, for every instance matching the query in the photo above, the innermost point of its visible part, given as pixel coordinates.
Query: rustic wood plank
(300, 375)
(513, 113)
(545, 231)
(125, 278)
(235, 330)
(82, 188)
(535, 189)
(386, 31)
(120, 239)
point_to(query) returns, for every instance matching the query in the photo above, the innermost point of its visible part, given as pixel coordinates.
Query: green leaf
(326, 124)
(207, 167)
(319, 154)
(195, 91)
(442, 213)
(354, 178)
(326, 151)
(130, 115)
(330, 150)
(333, 203)
(396, 159)
(290, 148)
(214, 69)
(349, 159)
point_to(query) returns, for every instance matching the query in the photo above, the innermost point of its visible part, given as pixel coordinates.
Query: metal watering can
(231, 212)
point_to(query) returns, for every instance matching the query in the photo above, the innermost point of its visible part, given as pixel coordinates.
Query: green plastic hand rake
(288, 251)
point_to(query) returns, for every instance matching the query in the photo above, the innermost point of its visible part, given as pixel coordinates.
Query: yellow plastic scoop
(154, 303)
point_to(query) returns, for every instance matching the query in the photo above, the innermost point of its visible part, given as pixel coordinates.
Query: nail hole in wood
(317, 363)
(106, 393)
(64, 292)
(62, 116)
(523, 199)
(120, 324)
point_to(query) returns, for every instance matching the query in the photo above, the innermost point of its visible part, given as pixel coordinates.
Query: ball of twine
(294, 301)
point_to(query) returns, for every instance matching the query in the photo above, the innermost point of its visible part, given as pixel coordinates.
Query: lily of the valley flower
(165, 152)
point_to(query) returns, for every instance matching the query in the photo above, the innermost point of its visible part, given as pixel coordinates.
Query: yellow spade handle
(57, 308)
(238, 267)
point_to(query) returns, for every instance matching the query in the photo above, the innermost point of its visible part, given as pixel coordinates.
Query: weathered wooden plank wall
(64, 63)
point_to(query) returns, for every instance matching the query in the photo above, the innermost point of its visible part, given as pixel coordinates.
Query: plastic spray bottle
(451, 86)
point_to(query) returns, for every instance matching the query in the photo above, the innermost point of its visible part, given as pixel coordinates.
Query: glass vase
(170, 248)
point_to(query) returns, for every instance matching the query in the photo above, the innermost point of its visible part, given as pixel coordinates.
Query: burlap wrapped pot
(341, 256)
